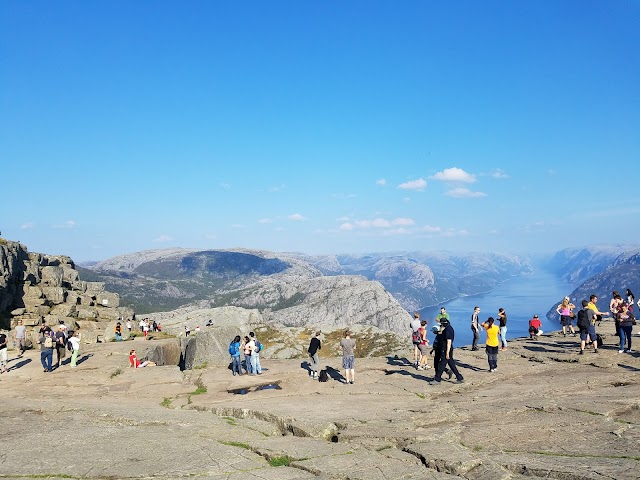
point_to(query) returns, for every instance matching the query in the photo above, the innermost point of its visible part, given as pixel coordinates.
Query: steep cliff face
(37, 288)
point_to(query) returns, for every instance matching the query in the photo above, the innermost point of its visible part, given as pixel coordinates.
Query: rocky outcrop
(38, 288)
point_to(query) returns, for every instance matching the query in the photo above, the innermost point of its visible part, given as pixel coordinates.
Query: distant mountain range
(165, 279)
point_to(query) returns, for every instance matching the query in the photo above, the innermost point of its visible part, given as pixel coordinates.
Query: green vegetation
(166, 402)
(231, 421)
(235, 444)
(421, 395)
(201, 366)
(296, 299)
(282, 461)
(117, 372)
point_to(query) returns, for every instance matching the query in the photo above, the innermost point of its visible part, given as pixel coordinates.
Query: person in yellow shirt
(492, 343)
(593, 299)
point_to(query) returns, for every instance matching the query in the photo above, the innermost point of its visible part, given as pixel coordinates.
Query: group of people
(250, 347)
(60, 341)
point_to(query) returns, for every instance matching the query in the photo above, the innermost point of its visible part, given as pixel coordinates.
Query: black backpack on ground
(324, 376)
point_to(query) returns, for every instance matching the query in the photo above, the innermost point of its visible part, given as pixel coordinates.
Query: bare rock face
(35, 287)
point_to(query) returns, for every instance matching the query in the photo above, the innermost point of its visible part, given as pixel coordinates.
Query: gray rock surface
(546, 413)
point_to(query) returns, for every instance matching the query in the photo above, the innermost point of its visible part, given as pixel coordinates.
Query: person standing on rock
(437, 349)
(502, 318)
(447, 355)
(587, 327)
(20, 338)
(565, 310)
(129, 326)
(61, 345)
(443, 315)
(415, 326)
(424, 342)
(118, 332)
(4, 357)
(348, 346)
(492, 343)
(475, 328)
(255, 354)
(47, 343)
(75, 345)
(234, 351)
(314, 346)
(246, 349)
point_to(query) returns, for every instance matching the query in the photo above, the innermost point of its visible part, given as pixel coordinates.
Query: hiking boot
(581, 352)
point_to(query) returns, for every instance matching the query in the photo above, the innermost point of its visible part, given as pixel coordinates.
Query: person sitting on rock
(118, 332)
(534, 328)
(135, 363)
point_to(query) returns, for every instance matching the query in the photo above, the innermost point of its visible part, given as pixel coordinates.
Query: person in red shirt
(535, 327)
(135, 363)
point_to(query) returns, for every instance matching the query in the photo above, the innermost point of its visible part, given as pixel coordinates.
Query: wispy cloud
(162, 238)
(419, 184)
(296, 217)
(226, 186)
(454, 175)
(67, 224)
(384, 223)
(238, 225)
(431, 229)
(381, 181)
(265, 220)
(27, 226)
(499, 174)
(346, 227)
(464, 193)
(277, 188)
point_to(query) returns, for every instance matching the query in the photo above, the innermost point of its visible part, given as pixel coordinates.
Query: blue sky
(320, 127)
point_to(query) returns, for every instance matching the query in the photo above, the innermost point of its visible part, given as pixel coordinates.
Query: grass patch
(421, 395)
(384, 447)
(477, 448)
(282, 461)
(236, 444)
(166, 402)
(201, 366)
(117, 372)
(201, 388)
(231, 421)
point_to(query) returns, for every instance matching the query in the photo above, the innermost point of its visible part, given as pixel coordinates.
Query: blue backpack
(258, 346)
(234, 349)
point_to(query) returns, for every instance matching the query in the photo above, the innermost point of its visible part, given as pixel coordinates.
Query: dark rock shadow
(20, 364)
(335, 374)
(399, 362)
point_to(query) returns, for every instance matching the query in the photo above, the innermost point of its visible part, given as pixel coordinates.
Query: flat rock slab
(546, 413)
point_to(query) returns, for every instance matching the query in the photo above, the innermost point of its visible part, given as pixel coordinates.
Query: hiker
(75, 348)
(415, 339)
(446, 349)
(234, 351)
(534, 328)
(492, 343)
(442, 315)
(118, 332)
(314, 346)
(61, 345)
(502, 318)
(255, 354)
(424, 341)
(348, 346)
(475, 328)
(565, 310)
(246, 349)
(187, 331)
(631, 300)
(20, 338)
(593, 299)
(4, 352)
(47, 343)
(129, 326)
(625, 317)
(587, 326)
(437, 350)
(135, 363)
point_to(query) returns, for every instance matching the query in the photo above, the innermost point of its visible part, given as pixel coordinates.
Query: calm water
(521, 297)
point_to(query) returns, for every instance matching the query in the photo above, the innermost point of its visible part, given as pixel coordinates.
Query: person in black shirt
(445, 341)
(314, 346)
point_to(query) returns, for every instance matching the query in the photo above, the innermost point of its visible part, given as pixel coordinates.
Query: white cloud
(343, 219)
(238, 225)
(27, 226)
(403, 221)
(162, 238)
(454, 174)
(431, 229)
(377, 223)
(276, 188)
(464, 193)
(210, 236)
(265, 220)
(67, 224)
(381, 181)
(395, 231)
(418, 184)
(226, 186)
(346, 227)
(296, 217)
(499, 173)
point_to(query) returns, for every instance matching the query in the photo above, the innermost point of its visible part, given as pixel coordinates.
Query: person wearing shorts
(423, 345)
(586, 324)
(348, 346)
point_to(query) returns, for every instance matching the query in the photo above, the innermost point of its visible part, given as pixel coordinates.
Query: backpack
(258, 346)
(48, 342)
(416, 337)
(69, 346)
(599, 340)
(324, 376)
(233, 349)
(583, 321)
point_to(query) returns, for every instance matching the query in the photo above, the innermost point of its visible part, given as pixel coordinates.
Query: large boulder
(54, 295)
(108, 299)
(52, 276)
